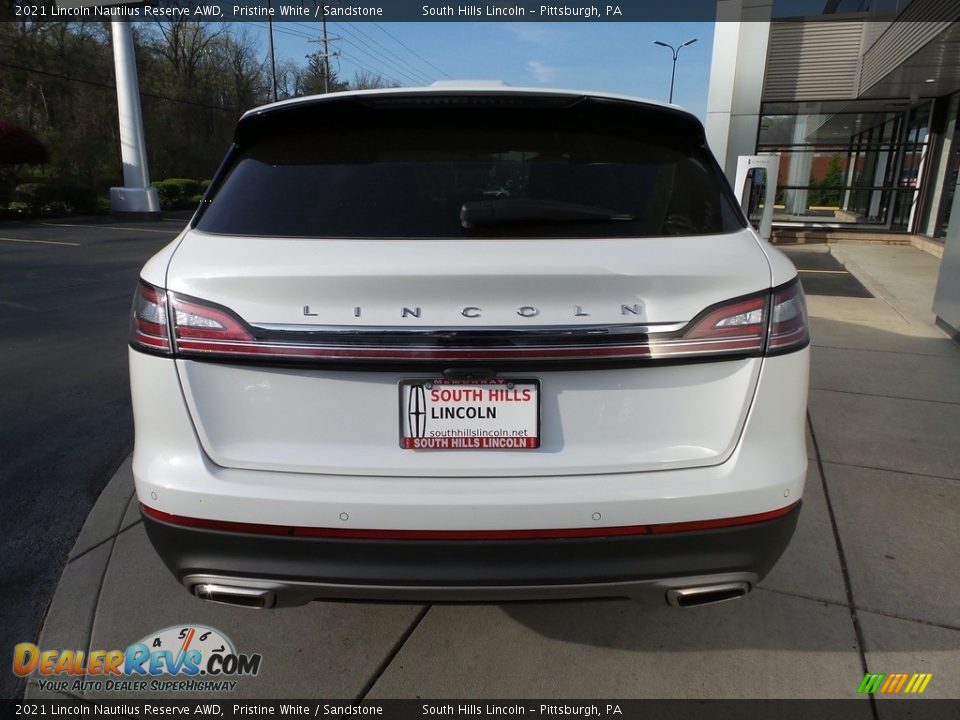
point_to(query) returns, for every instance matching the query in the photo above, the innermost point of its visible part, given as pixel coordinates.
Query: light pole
(137, 195)
(675, 51)
(273, 59)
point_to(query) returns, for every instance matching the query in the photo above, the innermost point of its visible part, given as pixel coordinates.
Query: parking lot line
(41, 242)
(109, 227)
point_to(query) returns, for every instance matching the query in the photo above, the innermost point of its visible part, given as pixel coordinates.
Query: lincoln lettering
(463, 413)
(473, 312)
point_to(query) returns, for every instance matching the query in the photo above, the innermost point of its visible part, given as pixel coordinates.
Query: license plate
(443, 414)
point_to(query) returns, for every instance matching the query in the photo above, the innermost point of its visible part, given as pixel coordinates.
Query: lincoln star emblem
(416, 411)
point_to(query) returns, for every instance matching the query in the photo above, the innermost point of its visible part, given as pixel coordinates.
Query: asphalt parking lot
(65, 292)
(869, 583)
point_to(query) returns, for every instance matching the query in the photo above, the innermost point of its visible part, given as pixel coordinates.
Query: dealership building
(861, 101)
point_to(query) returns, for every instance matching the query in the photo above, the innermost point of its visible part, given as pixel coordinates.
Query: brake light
(148, 321)
(789, 329)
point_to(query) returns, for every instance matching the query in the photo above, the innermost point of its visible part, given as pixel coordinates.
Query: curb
(68, 622)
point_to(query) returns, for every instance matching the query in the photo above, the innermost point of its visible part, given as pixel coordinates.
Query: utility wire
(398, 64)
(412, 52)
(424, 76)
(285, 30)
(379, 58)
(292, 32)
(356, 61)
(416, 75)
(352, 58)
(110, 86)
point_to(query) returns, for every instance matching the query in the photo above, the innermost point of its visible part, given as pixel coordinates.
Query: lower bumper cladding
(265, 566)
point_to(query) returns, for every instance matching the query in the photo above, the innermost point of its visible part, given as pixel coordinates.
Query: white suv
(469, 343)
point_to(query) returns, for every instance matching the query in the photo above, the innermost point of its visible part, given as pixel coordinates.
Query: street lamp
(675, 52)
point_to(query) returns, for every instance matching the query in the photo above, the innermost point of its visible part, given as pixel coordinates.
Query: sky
(611, 57)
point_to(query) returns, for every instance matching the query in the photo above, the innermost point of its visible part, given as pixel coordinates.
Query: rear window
(365, 170)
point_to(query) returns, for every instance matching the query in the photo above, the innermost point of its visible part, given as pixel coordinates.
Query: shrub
(178, 193)
(55, 198)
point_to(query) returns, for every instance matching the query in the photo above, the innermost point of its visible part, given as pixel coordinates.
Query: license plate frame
(408, 437)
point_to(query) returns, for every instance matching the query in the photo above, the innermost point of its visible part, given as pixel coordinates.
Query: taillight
(734, 327)
(148, 322)
(773, 322)
(788, 320)
(204, 328)
(197, 327)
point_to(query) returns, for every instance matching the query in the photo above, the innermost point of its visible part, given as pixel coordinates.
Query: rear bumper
(295, 570)
(765, 472)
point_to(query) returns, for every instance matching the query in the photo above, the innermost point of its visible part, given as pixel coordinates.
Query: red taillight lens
(735, 327)
(788, 320)
(148, 322)
(206, 329)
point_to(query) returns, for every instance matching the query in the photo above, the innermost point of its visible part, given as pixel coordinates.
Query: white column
(740, 39)
(877, 195)
(799, 173)
(853, 155)
(946, 302)
(136, 195)
(943, 169)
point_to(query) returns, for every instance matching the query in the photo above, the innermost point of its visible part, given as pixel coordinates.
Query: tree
(18, 147)
(311, 79)
(56, 82)
(363, 80)
(288, 77)
(196, 79)
(184, 44)
(248, 73)
(827, 192)
(833, 181)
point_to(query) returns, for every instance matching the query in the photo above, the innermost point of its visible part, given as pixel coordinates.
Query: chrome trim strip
(644, 349)
(456, 331)
(655, 343)
(288, 593)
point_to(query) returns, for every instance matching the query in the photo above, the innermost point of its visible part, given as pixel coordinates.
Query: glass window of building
(843, 165)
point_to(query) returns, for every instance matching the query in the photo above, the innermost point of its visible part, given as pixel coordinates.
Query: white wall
(946, 302)
(736, 79)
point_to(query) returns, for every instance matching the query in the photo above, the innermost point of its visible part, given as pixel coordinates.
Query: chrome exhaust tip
(255, 598)
(706, 594)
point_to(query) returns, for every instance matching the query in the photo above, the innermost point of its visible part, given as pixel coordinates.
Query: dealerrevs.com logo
(184, 658)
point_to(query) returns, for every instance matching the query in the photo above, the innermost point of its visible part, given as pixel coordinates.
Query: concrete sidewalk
(869, 583)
